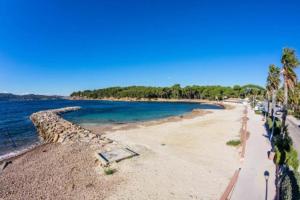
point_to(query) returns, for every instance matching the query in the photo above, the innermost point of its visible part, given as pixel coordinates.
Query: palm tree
(280, 97)
(273, 83)
(254, 93)
(294, 98)
(268, 95)
(289, 62)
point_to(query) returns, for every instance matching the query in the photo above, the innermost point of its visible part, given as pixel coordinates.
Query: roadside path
(251, 183)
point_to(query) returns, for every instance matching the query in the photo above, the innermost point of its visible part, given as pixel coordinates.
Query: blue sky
(58, 46)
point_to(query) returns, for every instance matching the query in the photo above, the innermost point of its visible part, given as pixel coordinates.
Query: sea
(17, 132)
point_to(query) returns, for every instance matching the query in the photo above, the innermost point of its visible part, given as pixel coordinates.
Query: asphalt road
(294, 132)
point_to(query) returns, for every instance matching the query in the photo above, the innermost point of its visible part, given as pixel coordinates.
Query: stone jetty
(53, 128)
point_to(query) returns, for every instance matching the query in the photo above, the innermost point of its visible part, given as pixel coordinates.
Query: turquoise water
(17, 131)
(126, 112)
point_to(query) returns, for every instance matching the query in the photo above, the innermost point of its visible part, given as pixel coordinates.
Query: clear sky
(58, 46)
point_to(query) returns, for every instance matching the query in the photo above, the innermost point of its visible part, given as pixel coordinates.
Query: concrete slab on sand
(115, 155)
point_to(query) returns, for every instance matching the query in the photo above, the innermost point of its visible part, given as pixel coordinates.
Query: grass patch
(233, 143)
(109, 171)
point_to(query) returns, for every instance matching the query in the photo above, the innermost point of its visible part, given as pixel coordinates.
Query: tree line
(173, 92)
(283, 87)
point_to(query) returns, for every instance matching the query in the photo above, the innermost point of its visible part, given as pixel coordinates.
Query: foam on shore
(20, 151)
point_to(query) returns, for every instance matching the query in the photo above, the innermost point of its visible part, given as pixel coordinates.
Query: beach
(181, 159)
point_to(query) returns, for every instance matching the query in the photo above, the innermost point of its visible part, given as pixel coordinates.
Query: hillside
(14, 97)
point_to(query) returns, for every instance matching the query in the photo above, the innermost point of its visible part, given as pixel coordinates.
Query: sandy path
(180, 160)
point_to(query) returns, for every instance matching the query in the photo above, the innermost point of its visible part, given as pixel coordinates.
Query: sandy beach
(181, 159)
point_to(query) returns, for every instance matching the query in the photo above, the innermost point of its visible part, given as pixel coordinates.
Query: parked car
(259, 108)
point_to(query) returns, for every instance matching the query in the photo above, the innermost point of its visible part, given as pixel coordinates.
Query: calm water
(17, 131)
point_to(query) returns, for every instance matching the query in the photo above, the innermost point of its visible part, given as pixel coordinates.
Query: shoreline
(132, 125)
(197, 144)
(190, 154)
(17, 153)
(104, 129)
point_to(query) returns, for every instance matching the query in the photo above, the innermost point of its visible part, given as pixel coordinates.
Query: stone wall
(53, 128)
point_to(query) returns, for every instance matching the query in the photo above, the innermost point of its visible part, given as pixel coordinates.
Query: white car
(259, 108)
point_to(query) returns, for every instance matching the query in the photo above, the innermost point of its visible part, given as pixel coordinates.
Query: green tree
(268, 96)
(289, 63)
(176, 91)
(273, 82)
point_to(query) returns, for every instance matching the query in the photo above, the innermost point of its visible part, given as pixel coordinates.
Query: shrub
(269, 122)
(277, 127)
(233, 143)
(283, 143)
(292, 159)
(258, 112)
(285, 153)
(297, 115)
(278, 156)
(290, 186)
(109, 171)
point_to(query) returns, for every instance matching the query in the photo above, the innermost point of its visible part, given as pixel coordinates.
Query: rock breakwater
(53, 128)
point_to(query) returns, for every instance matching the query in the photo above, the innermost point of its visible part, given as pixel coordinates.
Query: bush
(292, 159)
(285, 153)
(278, 157)
(290, 186)
(258, 112)
(269, 123)
(233, 143)
(283, 143)
(109, 171)
(277, 127)
(297, 115)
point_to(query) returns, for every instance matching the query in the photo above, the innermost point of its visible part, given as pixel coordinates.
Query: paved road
(251, 184)
(294, 132)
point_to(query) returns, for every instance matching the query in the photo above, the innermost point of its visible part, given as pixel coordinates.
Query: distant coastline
(28, 97)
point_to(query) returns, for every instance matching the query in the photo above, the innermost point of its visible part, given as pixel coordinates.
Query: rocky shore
(53, 128)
